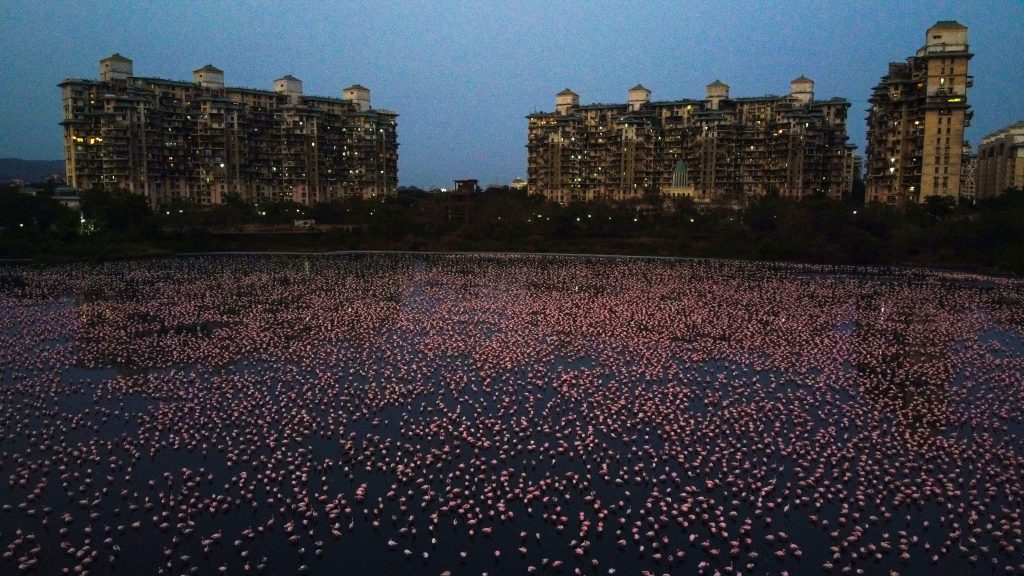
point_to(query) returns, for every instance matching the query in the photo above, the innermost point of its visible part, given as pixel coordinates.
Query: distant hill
(29, 170)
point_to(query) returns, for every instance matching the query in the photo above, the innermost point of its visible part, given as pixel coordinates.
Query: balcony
(946, 49)
(946, 101)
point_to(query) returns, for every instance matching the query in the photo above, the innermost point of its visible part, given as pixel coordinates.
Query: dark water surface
(398, 414)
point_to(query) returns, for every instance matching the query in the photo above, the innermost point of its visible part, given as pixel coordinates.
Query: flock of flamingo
(457, 414)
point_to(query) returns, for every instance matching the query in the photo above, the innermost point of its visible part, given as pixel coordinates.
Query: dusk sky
(463, 75)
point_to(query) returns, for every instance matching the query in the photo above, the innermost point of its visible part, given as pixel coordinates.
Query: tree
(119, 213)
(21, 213)
(939, 206)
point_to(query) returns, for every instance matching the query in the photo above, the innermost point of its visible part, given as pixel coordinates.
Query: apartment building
(968, 168)
(716, 149)
(1000, 162)
(200, 141)
(916, 121)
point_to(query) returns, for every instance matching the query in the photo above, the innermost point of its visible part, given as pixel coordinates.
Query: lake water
(417, 414)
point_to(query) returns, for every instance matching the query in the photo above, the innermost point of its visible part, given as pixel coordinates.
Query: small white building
(68, 196)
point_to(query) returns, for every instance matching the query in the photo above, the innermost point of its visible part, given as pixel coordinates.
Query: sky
(463, 75)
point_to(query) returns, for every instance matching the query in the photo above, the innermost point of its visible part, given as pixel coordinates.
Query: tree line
(984, 236)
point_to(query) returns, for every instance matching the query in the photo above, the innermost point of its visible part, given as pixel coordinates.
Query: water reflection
(405, 414)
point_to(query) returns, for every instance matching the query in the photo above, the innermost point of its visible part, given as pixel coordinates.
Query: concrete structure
(358, 95)
(856, 168)
(719, 149)
(968, 168)
(209, 76)
(681, 185)
(467, 187)
(1000, 161)
(200, 141)
(916, 121)
(68, 196)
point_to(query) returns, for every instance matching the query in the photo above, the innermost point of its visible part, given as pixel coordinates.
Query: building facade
(719, 149)
(200, 141)
(916, 121)
(968, 167)
(1000, 161)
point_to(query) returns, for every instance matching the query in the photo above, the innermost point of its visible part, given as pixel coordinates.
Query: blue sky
(462, 75)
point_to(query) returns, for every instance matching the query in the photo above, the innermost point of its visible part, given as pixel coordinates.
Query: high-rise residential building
(200, 141)
(1000, 161)
(916, 121)
(968, 168)
(719, 149)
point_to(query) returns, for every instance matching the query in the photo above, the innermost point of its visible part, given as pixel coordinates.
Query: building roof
(803, 78)
(765, 98)
(599, 106)
(357, 87)
(621, 107)
(288, 77)
(156, 80)
(718, 82)
(639, 87)
(684, 101)
(322, 99)
(1004, 131)
(116, 56)
(949, 25)
(209, 68)
(567, 92)
(68, 81)
(230, 89)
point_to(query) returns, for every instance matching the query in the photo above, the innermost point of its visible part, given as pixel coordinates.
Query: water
(626, 415)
